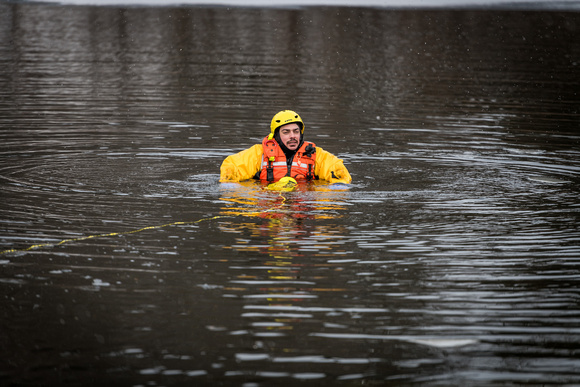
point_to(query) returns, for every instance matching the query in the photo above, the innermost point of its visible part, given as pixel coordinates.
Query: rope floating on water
(64, 241)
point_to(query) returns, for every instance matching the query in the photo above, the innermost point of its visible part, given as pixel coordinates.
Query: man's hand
(228, 174)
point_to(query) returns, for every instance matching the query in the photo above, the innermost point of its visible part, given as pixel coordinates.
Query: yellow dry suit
(252, 162)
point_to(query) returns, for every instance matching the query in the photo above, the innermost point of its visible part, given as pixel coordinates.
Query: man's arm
(242, 165)
(330, 168)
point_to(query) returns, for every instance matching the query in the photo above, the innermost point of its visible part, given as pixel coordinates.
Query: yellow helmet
(286, 117)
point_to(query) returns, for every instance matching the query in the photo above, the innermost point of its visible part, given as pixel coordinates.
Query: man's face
(290, 136)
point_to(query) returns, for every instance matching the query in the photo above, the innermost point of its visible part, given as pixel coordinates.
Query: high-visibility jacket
(275, 165)
(246, 164)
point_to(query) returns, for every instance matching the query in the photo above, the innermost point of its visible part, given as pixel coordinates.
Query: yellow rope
(38, 246)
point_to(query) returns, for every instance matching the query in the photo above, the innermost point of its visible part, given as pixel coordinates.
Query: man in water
(284, 153)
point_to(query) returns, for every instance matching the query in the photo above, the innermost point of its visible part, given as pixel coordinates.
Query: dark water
(452, 260)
